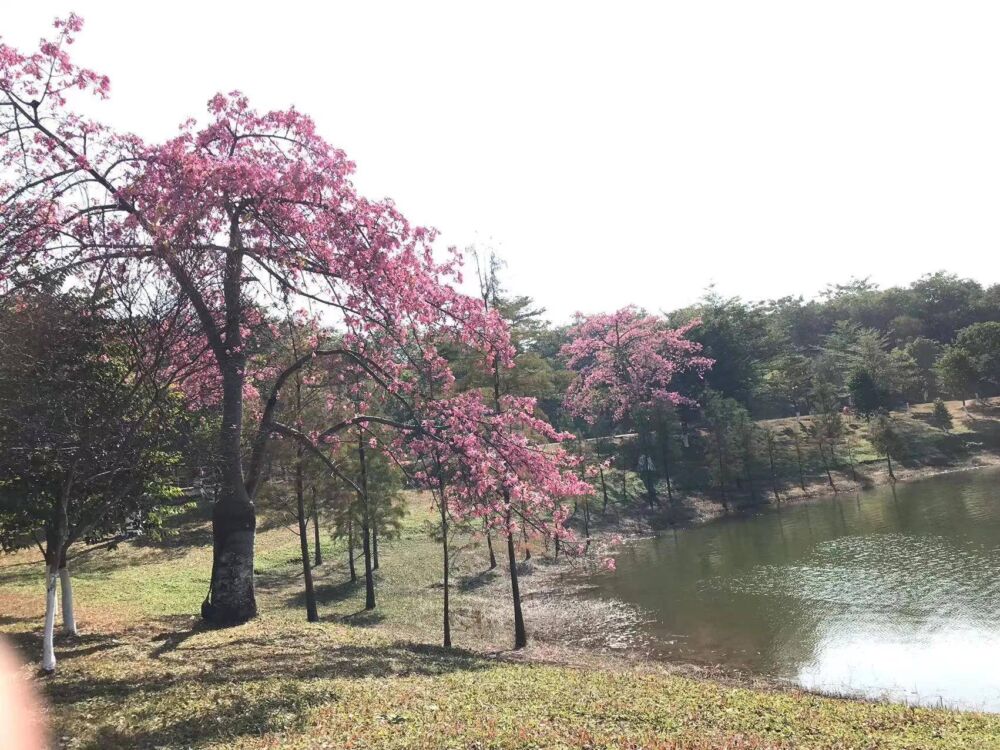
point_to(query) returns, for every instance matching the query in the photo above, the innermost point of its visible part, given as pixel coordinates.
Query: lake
(893, 593)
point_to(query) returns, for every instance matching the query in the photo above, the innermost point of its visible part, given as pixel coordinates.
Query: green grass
(146, 674)
(273, 684)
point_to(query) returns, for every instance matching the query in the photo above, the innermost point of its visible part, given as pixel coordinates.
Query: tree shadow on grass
(12, 620)
(475, 582)
(101, 562)
(231, 685)
(68, 647)
(172, 640)
(363, 618)
(326, 593)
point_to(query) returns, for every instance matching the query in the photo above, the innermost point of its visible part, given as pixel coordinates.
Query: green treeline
(801, 390)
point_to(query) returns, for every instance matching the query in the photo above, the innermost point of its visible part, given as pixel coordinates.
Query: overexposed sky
(612, 153)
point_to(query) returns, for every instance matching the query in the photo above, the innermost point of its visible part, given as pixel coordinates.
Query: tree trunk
(444, 553)
(66, 586)
(489, 545)
(520, 635)
(350, 549)
(666, 470)
(774, 476)
(374, 548)
(826, 467)
(888, 462)
(231, 597)
(55, 556)
(48, 647)
(604, 491)
(722, 472)
(318, 554)
(798, 459)
(366, 527)
(312, 614)
(366, 550)
(648, 476)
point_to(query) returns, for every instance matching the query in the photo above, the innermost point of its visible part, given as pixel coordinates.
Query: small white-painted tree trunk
(48, 648)
(66, 587)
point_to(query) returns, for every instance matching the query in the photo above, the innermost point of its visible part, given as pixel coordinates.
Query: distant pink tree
(626, 363)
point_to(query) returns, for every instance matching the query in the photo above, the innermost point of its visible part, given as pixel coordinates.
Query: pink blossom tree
(235, 216)
(626, 363)
(506, 472)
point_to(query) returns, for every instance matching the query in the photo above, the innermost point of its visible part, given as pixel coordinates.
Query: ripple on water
(925, 575)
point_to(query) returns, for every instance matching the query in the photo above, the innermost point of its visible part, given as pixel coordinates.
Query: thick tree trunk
(66, 587)
(48, 635)
(366, 546)
(520, 634)
(312, 614)
(231, 598)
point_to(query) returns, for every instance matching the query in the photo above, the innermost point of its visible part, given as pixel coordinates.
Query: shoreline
(697, 509)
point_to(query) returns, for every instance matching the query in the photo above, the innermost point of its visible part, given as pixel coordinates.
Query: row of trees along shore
(223, 314)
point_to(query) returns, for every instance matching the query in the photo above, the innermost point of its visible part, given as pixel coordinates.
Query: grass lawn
(145, 674)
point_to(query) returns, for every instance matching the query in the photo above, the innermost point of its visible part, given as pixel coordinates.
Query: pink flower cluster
(626, 362)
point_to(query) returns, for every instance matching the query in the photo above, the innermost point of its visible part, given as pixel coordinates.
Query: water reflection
(891, 594)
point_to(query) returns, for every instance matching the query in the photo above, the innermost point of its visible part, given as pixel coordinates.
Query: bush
(941, 417)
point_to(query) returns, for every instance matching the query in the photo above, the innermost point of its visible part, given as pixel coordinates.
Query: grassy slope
(144, 674)
(972, 440)
(924, 444)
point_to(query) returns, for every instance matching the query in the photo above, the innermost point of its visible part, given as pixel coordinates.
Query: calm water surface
(884, 594)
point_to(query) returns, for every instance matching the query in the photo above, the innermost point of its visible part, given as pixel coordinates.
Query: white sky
(617, 152)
